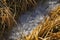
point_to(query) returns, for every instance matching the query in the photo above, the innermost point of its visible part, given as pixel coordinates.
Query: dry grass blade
(7, 20)
(10, 10)
(45, 30)
(20, 6)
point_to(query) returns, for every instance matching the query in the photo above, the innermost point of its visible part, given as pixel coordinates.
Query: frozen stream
(31, 19)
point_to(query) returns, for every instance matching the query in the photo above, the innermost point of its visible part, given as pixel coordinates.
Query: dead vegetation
(18, 7)
(6, 20)
(10, 10)
(47, 30)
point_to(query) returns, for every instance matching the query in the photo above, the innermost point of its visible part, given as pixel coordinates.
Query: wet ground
(31, 19)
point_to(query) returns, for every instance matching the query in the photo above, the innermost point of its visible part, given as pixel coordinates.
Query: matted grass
(18, 7)
(7, 20)
(10, 10)
(47, 30)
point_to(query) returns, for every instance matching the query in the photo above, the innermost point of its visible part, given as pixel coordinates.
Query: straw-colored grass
(18, 7)
(7, 20)
(11, 10)
(49, 29)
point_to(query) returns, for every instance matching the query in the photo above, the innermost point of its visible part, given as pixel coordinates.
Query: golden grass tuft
(47, 30)
(7, 20)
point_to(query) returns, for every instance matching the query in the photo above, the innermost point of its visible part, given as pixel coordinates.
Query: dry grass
(49, 29)
(6, 20)
(20, 6)
(11, 10)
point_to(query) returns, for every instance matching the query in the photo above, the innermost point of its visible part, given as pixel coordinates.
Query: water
(31, 19)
